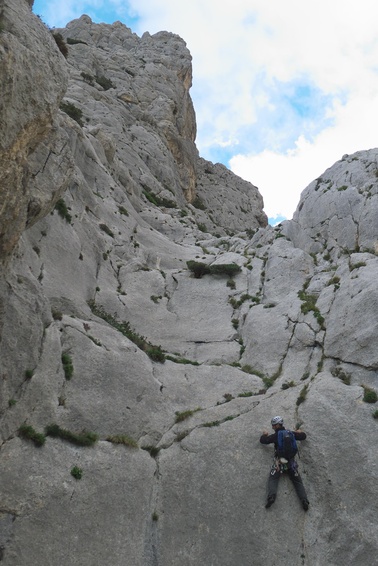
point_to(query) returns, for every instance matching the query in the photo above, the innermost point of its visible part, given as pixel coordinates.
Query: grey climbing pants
(292, 472)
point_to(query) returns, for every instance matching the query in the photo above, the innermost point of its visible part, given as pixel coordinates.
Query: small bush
(72, 111)
(107, 230)
(29, 373)
(335, 281)
(309, 304)
(228, 397)
(62, 210)
(123, 210)
(231, 283)
(182, 416)
(88, 78)
(67, 366)
(287, 385)
(357, 265)
(27, 431)
(249, 369)
(104, 82)
(198, 203)
(159, 201)
(77, 473)
(302, 395)
(212, 423)
(84, 438)
(228, 269)
(370, 396)
(245, 297)
(345, 377)
(12, 402)
(268, 381)
(197, 268)
(57, 315)
(308, 301)
(375, 414)
(123, 439)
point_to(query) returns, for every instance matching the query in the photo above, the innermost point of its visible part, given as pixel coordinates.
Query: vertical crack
(152, 539)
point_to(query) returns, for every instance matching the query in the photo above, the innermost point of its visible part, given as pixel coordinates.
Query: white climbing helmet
(276, 420)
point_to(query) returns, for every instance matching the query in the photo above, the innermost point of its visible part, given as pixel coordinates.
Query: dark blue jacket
(273, 438)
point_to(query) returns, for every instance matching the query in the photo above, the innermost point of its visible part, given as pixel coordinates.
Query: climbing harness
(282, 465)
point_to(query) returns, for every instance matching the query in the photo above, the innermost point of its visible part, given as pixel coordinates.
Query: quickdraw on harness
(282, 465)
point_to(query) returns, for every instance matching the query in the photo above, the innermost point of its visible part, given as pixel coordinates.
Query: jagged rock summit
(151, 323)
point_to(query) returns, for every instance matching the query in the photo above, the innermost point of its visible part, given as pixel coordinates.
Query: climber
(284, 465)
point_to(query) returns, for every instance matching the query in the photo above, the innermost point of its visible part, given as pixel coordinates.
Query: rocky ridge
(105, 329)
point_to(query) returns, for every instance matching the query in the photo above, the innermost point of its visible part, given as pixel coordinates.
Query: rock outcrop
(134, 388)
(33, 80)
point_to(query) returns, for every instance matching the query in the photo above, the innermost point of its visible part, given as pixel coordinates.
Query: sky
(281, 90)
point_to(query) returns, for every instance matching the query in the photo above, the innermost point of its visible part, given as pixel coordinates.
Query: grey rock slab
(266, 336)
(286, 270)
(63, 512)
(28, 102)
(188, 387)
(334, 406)
(351, 324)
(201, 498)
(112, 390)
(216, 474)
(337, 209)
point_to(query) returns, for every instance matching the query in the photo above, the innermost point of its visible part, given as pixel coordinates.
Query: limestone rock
(33, 81)
(104, 329)
(337, 211)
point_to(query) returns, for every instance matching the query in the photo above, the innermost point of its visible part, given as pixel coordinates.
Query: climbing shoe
(305, 504)
(269, 502)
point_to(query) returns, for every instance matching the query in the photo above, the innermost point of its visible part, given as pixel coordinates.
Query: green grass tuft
(84, 438)
(77, 473)
(27, 431)
(67, 365)
(341, 374)
(154, 352)
(62, 210)
(72, 111)
(370, 396)
(302, 395)
(182, 416)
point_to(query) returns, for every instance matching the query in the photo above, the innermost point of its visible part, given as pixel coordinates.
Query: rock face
(33, 80)
(107, 334)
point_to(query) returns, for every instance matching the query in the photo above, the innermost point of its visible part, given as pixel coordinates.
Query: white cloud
(281, 177)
